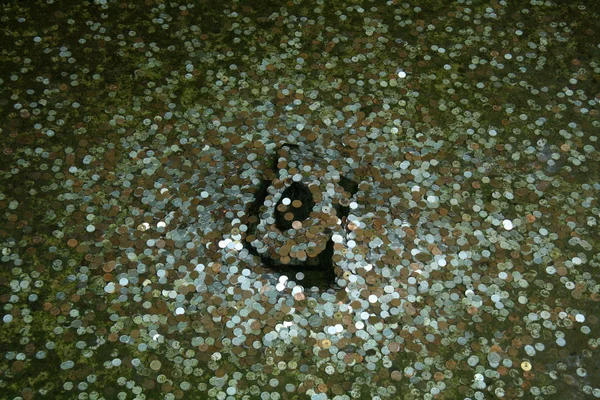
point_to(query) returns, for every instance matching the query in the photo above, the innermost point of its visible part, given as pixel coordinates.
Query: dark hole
(296, 191)
(318, 271)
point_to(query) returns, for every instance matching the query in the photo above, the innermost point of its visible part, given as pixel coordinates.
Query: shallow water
(449, 249)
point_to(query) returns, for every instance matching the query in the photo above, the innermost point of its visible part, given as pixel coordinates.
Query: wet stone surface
(299, 200)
